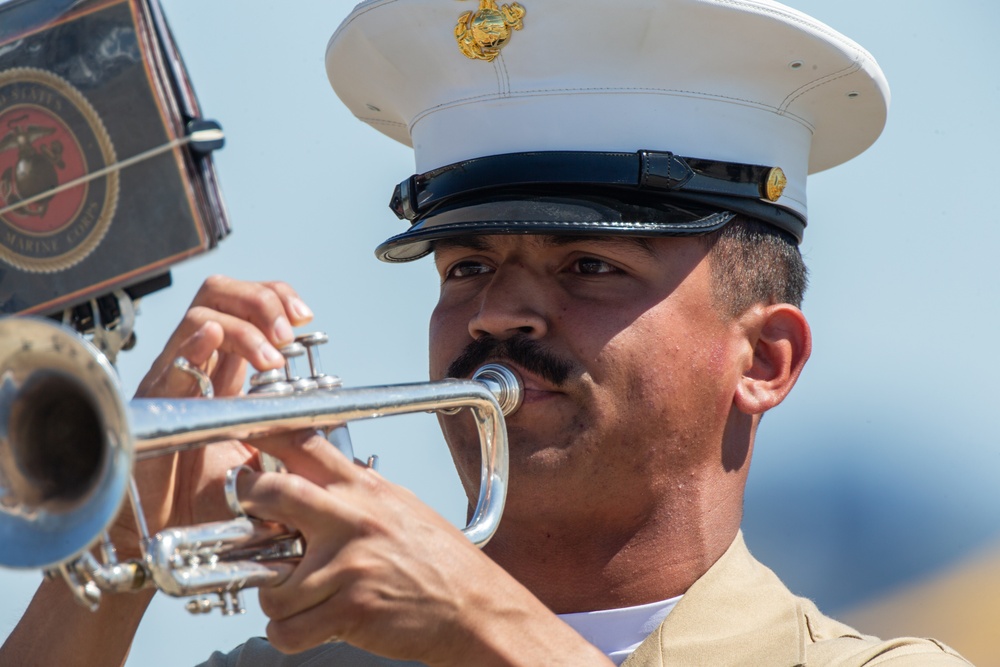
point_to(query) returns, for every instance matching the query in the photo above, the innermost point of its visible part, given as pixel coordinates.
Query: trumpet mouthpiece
(505, 385)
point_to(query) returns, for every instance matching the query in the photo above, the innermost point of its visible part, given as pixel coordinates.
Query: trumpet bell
(64, 463)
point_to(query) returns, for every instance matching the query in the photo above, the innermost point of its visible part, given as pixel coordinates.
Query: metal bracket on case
(110, 337)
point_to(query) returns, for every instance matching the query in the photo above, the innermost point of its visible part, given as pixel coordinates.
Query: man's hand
(386, 573)
(230, 324)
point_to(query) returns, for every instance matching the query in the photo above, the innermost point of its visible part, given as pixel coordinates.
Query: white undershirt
(618, 632)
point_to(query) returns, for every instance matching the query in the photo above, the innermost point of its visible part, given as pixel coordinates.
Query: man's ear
(781, 342)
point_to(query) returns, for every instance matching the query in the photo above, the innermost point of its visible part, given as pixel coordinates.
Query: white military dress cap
(641, 117)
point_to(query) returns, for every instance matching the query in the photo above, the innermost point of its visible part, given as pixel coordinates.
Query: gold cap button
(774, 185)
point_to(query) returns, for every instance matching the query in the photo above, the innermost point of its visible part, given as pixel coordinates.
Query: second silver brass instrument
(68, 441)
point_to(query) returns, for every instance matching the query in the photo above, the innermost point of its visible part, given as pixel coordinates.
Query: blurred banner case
(106, 176)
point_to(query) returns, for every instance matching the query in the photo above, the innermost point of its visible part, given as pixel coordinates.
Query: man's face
(628, 368)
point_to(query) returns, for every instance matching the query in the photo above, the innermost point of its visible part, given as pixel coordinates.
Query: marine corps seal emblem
(481, 34)
(51, 140)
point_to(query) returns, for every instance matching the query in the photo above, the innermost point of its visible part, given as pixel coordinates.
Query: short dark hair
(753, 262)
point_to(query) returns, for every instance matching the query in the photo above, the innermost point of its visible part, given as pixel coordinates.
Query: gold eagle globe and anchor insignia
(482, 33)
(51, 136)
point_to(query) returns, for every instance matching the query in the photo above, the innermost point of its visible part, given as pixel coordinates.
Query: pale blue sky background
(883, 465)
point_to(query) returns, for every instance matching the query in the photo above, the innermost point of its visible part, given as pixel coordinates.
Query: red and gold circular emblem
(51, 139)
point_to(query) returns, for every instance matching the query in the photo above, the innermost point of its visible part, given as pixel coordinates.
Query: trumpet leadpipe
(161, 426)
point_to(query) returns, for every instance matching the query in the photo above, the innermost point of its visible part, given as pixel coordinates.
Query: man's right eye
(467, 269)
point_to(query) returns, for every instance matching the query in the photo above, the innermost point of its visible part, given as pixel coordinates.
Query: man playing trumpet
(617, 220)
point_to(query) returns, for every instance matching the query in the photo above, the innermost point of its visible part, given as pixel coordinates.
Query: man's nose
(512, 303)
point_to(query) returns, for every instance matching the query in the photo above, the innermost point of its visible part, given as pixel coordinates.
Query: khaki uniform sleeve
(861, 651)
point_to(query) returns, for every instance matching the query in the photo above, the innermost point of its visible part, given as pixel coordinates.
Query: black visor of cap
(586, 193)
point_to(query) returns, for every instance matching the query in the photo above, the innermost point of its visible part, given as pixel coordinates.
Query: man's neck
(591, 566)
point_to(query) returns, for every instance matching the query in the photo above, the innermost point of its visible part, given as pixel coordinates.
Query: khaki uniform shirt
(737, 613)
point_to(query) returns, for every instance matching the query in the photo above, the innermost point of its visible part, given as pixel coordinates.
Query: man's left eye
(593, 266)
(467, 269)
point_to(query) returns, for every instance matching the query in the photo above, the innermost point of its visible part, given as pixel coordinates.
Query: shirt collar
(618, 632)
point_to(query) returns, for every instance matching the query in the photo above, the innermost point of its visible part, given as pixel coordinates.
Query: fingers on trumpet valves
(253, 319)
(272, 307)
(232, 335)
(233, 323)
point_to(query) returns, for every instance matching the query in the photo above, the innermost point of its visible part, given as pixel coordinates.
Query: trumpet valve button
(267, 377)
(311, 339)
(311, 342)
(273, 382)
(201, 606)
(304, 384)
(293, 350)
(325, 381)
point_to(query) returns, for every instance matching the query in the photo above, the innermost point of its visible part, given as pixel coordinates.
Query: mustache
(527, 353)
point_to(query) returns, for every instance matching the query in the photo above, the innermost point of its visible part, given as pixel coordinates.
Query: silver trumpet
(68, 441)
